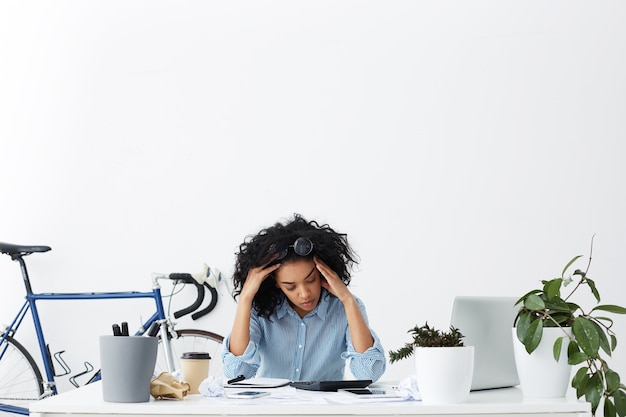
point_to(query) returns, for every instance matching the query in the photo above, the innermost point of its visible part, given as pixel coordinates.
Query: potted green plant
(585, 334)
(444, 366)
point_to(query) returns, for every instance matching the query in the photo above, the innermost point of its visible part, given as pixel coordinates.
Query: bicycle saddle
(11, 249)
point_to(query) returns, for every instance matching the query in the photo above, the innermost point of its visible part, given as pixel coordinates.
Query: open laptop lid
(486, 323)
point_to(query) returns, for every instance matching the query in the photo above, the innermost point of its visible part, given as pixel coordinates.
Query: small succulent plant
(426, 336)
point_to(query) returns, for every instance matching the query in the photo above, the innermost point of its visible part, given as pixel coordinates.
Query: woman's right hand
(255, 278)
(240, 335)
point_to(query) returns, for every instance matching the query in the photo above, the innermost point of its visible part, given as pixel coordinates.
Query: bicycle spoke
(20, 379)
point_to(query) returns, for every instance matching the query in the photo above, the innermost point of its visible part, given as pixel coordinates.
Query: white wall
(466, 147)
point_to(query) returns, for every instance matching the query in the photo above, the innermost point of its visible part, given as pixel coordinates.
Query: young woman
(296, 318)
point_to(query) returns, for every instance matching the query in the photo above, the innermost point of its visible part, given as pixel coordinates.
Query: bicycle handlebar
(211, 305)
(200, 288)
(184, 277)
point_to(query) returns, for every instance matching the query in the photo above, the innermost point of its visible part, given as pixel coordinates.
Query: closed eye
(310, 280)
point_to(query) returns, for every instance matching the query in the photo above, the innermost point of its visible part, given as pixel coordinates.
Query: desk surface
(87, 402)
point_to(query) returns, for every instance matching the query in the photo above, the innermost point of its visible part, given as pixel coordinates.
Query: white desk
(87, 402)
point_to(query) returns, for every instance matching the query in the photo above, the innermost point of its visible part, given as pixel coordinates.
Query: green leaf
(592, 287)
(522, 325)
(593, 391)
(558, 305)
(552, 288)
(556, 348)
(563, 319)
(580, 377)
(560, 317)
(574, 259)
(574, 355)
(576, 358)
(532, 337)
(620, 402)
(609, 408)
(523, 297)
(586, 336)
(613, 342)
(580, 381)
(534, 302)
(610, 308)
(603, 340)
(402, 353)
(612, 380)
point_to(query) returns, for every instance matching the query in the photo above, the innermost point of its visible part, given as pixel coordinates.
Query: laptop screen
(486, 323)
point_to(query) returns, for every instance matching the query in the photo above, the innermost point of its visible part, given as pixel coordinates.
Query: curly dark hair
(329, 246)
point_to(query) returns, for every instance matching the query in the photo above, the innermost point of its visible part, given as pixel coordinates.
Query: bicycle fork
(167, 346)
(164, 327)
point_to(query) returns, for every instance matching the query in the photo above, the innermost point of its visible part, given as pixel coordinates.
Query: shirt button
(299, 346)
(298, 370)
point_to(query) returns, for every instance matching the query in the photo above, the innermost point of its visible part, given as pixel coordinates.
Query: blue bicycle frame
(31, 304)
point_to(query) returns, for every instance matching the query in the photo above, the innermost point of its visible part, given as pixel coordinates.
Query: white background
(466, 147)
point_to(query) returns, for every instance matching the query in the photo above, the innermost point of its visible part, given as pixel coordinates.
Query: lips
(308, 304)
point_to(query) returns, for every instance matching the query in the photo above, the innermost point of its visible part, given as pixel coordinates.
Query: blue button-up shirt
(312, 348)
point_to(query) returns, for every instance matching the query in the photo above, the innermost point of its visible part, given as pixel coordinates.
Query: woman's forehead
(295, 271)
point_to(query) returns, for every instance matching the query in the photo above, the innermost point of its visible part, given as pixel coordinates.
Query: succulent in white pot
(443, 365)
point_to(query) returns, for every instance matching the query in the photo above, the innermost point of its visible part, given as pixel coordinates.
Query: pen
(237, 379)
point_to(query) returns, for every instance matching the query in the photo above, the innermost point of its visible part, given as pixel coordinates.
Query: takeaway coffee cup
(127, 364)
(195, 369)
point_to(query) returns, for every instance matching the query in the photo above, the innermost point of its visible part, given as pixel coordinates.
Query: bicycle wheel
(20, 378)
(193, 340)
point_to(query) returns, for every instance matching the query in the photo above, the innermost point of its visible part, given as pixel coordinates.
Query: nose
(304, 292)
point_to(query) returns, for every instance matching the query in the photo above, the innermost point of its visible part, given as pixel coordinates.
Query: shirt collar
(321, 310)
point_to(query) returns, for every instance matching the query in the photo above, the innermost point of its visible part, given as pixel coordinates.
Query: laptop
(486, 323)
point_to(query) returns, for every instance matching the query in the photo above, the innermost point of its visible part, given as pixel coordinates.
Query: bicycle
(21, 380)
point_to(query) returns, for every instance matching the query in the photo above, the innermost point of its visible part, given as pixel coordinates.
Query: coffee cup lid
(195, 355)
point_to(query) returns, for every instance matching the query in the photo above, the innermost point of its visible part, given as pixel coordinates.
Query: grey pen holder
(127, 365)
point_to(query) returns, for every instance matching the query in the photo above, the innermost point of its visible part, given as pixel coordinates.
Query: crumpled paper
(212, 387)
(166, 385)
(407, 388)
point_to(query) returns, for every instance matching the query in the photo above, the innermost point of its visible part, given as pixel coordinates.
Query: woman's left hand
(359, 331)
(331, 281)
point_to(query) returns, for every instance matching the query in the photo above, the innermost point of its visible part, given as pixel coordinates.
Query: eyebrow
(307, 275)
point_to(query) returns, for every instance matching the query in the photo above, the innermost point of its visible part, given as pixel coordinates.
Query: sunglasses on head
(302, 246)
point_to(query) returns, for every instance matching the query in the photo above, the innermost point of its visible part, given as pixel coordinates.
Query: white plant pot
(540, 375)
(444, 374)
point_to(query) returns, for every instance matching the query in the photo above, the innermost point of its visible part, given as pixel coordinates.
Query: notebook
(486, 323)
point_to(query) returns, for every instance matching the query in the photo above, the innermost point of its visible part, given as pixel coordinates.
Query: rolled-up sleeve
(370, 364)
(246, 364)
